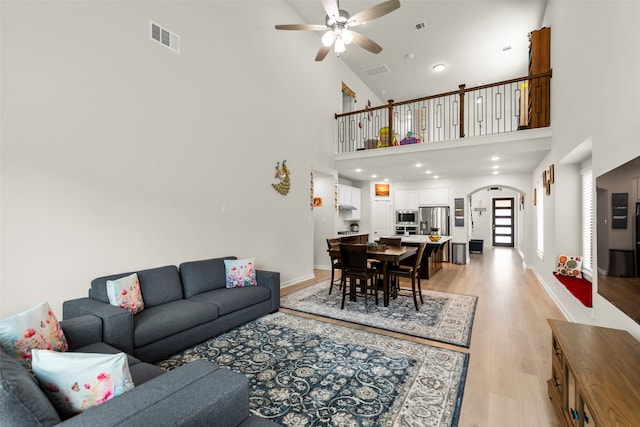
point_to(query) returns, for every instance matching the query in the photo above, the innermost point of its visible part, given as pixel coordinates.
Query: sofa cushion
(33, 328)
(125, 293)
(202, 276)
(240, 272)
(234, 299)
(143, 372)
(158, 285)
(22, 402)
(76, 382)
(168, 319)
(104, 348)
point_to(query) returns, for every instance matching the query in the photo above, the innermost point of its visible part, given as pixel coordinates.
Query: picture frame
(382, 190)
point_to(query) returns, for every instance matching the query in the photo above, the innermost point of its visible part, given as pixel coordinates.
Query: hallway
(510, 352)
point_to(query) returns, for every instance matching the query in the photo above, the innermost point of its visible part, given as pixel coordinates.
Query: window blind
(587, 219)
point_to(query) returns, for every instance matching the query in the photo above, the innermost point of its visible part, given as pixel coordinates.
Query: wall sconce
(548, 179)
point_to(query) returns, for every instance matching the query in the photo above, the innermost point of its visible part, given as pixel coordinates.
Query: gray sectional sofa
(183, 306)
(197, 394)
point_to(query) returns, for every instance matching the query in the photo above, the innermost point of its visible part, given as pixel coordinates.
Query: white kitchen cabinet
(441, 197)
(350, 196)
(406, 200)
(434, 197)
(344, 195)
(356, 201)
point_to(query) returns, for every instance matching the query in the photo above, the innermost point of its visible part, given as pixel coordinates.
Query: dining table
(387, 255)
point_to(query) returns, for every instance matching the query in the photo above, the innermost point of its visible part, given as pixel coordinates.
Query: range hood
(347, 207)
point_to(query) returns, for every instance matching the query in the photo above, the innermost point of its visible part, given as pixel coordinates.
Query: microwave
(406, 217)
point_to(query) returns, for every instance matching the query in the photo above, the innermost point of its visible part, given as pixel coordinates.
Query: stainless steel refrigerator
(434, 217)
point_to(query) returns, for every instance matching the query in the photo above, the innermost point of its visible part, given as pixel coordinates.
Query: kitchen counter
(424, 238)
(433, 253)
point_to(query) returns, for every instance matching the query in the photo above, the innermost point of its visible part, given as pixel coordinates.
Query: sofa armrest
(117, 323)
(197, 394)
(82, 330)
(271, 280)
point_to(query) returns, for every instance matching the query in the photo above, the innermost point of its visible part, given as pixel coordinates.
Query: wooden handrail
(461, 91)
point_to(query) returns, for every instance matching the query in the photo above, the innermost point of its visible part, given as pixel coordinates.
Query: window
(540, 221)
(587, 219)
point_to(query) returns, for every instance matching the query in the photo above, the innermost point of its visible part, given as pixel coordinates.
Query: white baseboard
(559, 304)
(296, 280)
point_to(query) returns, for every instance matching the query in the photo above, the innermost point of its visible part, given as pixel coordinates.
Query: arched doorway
(496, 216)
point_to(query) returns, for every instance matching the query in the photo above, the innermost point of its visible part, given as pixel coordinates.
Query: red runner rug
(579, 288)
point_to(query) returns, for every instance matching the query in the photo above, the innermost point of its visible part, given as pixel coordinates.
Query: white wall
(594, 95)
(324, 218)
(120, 155)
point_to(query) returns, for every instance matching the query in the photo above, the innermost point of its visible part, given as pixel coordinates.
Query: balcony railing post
(390, 137)
(461, 87)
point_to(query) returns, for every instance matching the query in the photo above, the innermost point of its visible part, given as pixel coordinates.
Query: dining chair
(393, 242)
(355, 268)
(412, 271)
(336, 262)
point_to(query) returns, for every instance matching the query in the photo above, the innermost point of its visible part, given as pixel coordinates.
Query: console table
(595, 376)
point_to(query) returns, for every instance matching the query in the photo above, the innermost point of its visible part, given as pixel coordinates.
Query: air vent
(419, 26)
(165, 37)
(378, 69)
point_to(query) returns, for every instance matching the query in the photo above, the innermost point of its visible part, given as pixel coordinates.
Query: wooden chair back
(394, 242)
(419, 255)
(354, 259)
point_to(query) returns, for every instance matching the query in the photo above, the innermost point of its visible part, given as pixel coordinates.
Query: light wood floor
(510, 352)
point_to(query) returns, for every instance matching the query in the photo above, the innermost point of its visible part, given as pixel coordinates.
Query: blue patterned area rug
(304, 372)
(443, 317)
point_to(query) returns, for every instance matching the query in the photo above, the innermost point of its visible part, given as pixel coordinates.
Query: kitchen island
(433, 253)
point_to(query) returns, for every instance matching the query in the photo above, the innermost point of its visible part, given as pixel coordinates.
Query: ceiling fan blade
(302, 27)
(373, 12)
(366, 43)
(331, 7)
(322, 52)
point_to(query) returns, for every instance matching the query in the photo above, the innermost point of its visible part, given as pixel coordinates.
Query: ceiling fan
(338, 24)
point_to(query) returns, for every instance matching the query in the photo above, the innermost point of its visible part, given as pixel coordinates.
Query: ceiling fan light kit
(337, 27)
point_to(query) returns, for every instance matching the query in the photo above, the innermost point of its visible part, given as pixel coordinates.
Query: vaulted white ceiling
(479, 41)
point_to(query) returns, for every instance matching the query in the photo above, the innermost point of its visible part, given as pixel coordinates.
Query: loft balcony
(511, 116)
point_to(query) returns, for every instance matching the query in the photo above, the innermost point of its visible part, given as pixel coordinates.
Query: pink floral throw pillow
(240, 272)
(75, 382)
(36, 328)
(125, 293)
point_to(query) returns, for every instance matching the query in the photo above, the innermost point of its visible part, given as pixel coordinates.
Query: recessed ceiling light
(358, 170)
(494, 158)
(428, 172)
(495, 166)
(496, 172)
(418, 165)
(436, 177)
(374, 176)
(439, 67)
(386, 180)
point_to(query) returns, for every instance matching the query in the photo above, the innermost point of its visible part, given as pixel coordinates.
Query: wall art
(282, 173)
